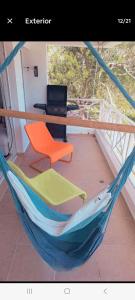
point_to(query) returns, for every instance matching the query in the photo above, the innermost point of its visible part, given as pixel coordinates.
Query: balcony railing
(88, 108)
(121, 143)
(103, 110)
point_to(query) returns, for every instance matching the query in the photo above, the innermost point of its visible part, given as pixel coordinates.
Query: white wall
(34, 87)
(35, 54)
(128, 190)
(15, 80)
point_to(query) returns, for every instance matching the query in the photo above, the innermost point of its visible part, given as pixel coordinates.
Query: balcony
(114, 260)
(97, 158)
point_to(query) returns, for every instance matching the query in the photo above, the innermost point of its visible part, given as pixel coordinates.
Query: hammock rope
(110, 73)
(10, 57)
(64, 241)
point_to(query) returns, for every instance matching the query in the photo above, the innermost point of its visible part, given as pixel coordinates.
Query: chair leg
(34, 162)
(41, 158)
(67, 161)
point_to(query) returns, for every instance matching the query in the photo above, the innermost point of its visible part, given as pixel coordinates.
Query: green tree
(77, 68)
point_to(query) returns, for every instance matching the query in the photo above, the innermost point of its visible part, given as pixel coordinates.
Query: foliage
(77, 68)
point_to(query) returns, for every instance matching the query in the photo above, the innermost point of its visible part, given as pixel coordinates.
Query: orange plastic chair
(43, 143)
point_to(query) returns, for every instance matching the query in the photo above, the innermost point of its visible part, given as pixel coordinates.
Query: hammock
(65, 241)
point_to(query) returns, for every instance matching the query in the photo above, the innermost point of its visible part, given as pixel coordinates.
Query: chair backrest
(4, 167)
(39, 135)
(37, 200)
(40, 213)
(19, 172)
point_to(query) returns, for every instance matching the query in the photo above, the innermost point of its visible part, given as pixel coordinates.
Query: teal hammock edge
(114, 188)
(74, 248)
(11, 56)
(56, 254)
(110, 73)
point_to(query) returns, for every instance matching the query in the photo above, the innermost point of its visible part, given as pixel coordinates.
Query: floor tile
(9, 234)
(116, 262)
(28, 266)
(120, 231)
(88, 272)
(7, 205)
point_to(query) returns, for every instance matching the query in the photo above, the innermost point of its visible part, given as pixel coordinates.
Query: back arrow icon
(105, 291)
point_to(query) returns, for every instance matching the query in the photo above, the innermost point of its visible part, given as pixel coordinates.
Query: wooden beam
(68, 121)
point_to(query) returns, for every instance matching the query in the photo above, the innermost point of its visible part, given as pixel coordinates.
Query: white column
(15, 80)
(34, 54)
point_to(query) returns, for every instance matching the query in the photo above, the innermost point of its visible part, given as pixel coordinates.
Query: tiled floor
(114, 260)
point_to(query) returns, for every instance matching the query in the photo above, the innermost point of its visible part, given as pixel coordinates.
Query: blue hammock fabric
(73, 248)
(110, 73)
(81, 236)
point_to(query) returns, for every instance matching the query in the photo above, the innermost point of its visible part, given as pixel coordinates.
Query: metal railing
(88, 108)
(121, 143)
